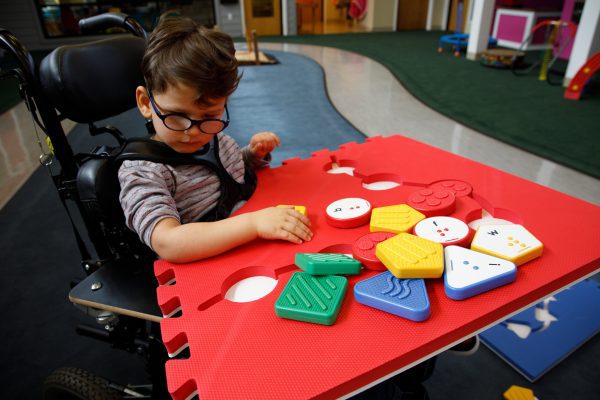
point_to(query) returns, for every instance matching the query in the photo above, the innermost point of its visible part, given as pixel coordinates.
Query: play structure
(458, 40)
(582, 77)
(558, 35)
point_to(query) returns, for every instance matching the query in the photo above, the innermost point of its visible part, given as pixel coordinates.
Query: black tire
(77, 384)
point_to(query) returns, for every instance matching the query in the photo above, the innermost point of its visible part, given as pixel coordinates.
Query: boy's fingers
(290, 237)
(298, 228)
(306, 230)
(303, 218)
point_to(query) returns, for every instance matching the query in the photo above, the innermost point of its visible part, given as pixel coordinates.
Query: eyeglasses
(181, 122)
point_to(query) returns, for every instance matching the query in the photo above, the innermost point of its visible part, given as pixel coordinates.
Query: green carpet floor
(522, 111)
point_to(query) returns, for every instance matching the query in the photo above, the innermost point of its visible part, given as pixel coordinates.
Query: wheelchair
(88, 83)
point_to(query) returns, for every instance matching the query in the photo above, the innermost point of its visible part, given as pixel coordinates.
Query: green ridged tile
(310, 298)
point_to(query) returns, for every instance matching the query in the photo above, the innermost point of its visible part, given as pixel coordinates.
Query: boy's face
(183, 100)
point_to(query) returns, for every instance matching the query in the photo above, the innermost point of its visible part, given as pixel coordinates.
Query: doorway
(457, 22)
(412, 14)
(309, 13)
(264, 16)
(331, 16)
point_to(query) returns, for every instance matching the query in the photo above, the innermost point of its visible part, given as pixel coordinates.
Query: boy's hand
(263, 143)
(282, 223)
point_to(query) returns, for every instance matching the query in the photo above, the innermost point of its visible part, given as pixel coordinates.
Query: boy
(190, 72)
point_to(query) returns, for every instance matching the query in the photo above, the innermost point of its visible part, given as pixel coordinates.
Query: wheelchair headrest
(92, 81)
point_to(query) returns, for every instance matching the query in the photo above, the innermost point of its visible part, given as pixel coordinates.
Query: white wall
(437, 15)
(381, 15)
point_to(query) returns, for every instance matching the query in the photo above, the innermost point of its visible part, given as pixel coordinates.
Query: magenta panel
(512, 28)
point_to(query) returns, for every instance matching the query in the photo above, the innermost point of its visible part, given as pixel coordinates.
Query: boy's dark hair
(181, 51)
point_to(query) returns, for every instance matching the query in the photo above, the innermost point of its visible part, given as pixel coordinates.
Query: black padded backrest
(93, 81)
(98, 187)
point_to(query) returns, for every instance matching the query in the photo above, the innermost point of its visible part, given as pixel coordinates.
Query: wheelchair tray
(119, 289)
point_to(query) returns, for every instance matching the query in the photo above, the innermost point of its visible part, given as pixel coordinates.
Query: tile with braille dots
(444, 230)
(348, 212)
(510, 242)
(468, 272)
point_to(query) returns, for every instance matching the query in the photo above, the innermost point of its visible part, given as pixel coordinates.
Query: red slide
(588, 69)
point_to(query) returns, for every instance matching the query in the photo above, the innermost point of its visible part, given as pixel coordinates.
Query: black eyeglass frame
(193, 122)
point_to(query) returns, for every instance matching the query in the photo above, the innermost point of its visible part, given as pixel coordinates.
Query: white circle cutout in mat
(251, 289)
(381, 185)
(342, 170)
(487, 219)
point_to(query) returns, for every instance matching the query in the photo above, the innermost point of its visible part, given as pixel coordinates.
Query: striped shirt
(151, 192)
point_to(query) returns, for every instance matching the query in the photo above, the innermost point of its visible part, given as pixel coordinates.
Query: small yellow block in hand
(300, 209)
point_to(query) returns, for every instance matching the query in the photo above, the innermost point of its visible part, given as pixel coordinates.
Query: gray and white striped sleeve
(230, 155)
(145, 196)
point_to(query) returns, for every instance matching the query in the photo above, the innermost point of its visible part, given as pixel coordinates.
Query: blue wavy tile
(406, 298)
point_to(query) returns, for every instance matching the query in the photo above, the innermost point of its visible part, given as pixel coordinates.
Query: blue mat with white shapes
(538, 338)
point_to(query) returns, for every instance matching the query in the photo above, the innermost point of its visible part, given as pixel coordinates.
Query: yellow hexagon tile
(518, 393)
(398, 218)
(409, 256)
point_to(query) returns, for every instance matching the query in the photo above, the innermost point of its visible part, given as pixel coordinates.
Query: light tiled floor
(19, 149)
(371, 98)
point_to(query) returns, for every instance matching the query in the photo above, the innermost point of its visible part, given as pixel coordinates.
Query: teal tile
(327, 264)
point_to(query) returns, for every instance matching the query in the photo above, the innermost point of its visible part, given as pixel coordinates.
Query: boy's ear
(143, 102)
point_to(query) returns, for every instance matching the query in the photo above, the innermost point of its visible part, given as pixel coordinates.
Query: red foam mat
(243, 350)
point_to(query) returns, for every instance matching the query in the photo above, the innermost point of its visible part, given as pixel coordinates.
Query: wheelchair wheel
(77, 384)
